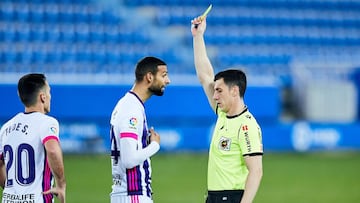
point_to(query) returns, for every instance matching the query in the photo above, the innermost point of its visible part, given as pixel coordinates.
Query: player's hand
(154, 136)
(58, 192)
(198, 26)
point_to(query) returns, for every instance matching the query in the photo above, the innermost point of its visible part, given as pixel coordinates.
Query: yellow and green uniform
(233, 138)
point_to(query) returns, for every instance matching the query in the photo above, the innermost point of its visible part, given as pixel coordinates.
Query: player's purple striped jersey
(22, 142)
(129, 134)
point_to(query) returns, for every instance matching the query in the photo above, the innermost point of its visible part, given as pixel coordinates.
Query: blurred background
(302, 58)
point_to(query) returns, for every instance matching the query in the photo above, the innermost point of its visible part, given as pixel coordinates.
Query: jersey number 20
(24, 157)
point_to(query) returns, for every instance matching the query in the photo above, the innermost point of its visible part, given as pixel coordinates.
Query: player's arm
(204, 69)
(55, 160)
(254, 166)
(2, 172)
(131, 156)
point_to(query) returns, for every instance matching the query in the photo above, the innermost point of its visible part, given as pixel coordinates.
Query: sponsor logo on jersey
(133, 122)
(247, 141)
(21, 198)
(245, 128)
(224, 143)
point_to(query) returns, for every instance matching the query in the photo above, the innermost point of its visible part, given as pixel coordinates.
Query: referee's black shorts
(229, 196)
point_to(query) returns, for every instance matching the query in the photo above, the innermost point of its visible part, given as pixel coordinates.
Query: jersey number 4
(115, 153)
(23, 162)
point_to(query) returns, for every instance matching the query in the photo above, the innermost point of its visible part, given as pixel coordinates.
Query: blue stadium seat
(81, 14)
(51, 13)
(27, 57)
(52, 33)
(9, 35)
(23, 32)
(95, 15)
(82, 33)
(67, 34)
(22, 13)
(111, 34)
(37, 33)
(37, 14)
(257, 33)
(7, 11)
(66, 13)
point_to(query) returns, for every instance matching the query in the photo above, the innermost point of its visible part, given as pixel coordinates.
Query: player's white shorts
(130, 199)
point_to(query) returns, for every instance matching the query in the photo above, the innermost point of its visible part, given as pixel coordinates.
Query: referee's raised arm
(204, 69)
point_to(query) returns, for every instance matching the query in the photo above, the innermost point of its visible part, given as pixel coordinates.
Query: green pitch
(181, 178)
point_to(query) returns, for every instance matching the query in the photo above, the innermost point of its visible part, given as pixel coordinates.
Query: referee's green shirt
(233, 138)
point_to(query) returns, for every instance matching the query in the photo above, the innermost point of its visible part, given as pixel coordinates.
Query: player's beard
(158, 91)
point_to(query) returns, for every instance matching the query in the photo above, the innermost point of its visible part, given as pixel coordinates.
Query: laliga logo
(303, 137)
(53, 130)
(133, 121)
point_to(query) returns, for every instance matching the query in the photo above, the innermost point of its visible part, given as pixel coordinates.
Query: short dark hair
(29, 86)
(233, 77)
(145, 65)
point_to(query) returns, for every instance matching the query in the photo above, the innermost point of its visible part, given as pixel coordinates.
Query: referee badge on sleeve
(224, 143)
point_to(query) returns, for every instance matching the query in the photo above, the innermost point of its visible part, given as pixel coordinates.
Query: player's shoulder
(46, 119)
(127, 106)
(129, 102)
(43, 116)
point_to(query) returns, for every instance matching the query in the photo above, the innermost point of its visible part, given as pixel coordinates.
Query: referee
(235, 155)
